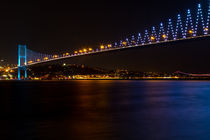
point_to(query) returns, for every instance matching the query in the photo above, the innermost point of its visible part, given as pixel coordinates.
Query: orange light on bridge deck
(206, 29)
(29, 62)
(85, 50)
(164, 36)
(80, 51)
(90, 49)
(38, 60)
(75, 52)
(67, 54)
(109, 45)
(45, 58)
(102, 47)
(190, 31)
(124, 43)
(152, 38)
(55, 56)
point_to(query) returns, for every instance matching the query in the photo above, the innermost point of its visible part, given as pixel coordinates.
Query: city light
(109, 45)
(75, 52)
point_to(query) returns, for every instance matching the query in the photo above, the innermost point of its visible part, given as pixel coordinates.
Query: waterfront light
(38, 60)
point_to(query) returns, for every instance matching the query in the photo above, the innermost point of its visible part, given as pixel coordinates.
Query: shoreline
(151, 79)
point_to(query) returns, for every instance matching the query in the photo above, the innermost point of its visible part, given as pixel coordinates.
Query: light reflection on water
(105, 110)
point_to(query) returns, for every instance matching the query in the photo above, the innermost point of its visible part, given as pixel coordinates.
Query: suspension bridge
(190, 27)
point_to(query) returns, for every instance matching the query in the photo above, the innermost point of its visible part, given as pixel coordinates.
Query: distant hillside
(64, 69)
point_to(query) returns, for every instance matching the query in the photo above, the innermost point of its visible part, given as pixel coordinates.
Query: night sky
(64, 26)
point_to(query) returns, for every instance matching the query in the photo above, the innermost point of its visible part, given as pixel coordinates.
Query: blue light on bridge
(22, 60)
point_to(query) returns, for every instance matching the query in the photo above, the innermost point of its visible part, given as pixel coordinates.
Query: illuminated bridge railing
(192, 26)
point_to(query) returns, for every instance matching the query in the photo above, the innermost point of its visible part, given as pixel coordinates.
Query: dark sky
(58, 26)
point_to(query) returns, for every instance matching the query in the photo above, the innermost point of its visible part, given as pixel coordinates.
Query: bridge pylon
(22, 61)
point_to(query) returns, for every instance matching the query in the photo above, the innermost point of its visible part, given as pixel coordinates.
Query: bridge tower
(22, 60)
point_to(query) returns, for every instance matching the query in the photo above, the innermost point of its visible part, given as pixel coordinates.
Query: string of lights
(181, 28)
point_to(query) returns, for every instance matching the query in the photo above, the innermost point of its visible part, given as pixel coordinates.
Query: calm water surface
(105, 110)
